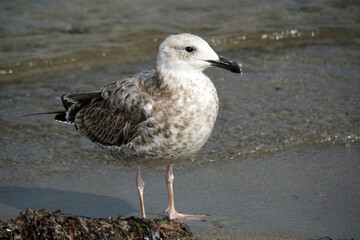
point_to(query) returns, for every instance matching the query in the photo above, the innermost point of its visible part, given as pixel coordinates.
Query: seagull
(156, 117)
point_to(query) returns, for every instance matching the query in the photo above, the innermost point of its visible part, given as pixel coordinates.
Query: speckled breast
(179, 127)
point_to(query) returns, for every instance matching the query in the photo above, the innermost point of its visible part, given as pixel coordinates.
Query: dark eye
(189, 49)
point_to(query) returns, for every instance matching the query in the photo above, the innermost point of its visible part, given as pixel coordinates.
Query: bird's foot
(185, 217)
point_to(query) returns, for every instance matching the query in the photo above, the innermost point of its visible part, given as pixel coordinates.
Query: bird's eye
(189, 49)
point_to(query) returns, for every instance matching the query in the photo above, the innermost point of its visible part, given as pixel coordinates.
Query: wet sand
(300, 193)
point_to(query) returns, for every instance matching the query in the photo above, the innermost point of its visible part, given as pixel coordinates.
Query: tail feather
(68, 100)
(61, 117)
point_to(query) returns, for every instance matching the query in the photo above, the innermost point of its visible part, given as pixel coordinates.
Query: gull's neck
(180, 80)
(175, 79)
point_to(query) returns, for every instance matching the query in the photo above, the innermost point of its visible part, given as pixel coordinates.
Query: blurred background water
(301, 82)
(43, 35)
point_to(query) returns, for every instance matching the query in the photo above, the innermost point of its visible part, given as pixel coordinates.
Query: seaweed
(40, 224)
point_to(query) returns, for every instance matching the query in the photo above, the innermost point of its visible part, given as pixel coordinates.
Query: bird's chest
(187, 118)
(197, 110)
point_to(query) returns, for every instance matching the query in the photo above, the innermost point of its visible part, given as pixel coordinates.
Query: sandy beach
(302, 193)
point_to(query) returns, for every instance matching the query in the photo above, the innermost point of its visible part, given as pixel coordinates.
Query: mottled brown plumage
(112, 116)
(157, 117)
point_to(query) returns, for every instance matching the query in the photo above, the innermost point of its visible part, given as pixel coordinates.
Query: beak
(227, 64)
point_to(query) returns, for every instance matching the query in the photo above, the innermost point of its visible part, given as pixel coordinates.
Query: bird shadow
(69, 202)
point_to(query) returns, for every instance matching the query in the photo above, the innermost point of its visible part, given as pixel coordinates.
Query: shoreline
(299, 193)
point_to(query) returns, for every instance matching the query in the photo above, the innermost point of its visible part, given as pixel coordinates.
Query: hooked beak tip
(226, 64)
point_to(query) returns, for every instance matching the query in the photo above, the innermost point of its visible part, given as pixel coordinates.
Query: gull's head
(189, 53)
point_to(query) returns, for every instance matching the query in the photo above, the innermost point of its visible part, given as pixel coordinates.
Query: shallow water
(300, 88)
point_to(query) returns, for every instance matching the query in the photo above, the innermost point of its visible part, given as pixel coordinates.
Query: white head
(189, 53)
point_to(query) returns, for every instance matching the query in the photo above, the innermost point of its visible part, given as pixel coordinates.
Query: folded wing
(111, 116)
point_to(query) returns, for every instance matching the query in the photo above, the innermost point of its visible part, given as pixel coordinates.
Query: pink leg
(140, 184)
(173, 214)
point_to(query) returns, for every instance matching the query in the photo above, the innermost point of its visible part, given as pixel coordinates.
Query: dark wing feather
(112, 116)
(73, 103)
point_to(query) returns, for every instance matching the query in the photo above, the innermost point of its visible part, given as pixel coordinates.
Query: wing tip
(67, 104)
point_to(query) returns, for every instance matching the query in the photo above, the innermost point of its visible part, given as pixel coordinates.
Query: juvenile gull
(156, 117)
